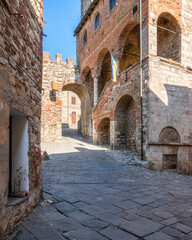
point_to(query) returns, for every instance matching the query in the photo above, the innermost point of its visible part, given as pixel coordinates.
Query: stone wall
(170, 106)
(61, 73)
(20, 93)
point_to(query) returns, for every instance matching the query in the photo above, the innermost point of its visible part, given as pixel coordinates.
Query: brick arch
(168, 42)
(104, 70)
(103, 131)
(124, 34)
(125, 117)
(100, 59)
(86, 113)
(87, 81)
(129, 46)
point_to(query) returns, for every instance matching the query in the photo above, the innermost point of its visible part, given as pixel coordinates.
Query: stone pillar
(95, 79)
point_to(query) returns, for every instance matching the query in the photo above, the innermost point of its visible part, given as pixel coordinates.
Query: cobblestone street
(90, 195)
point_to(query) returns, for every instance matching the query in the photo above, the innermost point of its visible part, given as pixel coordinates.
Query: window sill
(13, 201)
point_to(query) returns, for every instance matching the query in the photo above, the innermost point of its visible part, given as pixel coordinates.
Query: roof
(87, 14)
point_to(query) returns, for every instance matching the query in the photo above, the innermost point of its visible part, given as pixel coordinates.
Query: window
(84, 37)
(112, 3)
(97, 22)
(18, 157)
(73, 100)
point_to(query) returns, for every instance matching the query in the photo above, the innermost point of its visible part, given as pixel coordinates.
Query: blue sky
(62, 17)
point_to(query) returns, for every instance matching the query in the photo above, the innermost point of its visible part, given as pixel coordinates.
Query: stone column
(95, 79)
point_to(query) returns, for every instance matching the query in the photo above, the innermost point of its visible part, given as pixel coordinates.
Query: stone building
(163, 128)
(60, 108)
(20, 110)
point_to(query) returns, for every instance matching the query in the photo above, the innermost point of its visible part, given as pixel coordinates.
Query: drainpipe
(141, 77)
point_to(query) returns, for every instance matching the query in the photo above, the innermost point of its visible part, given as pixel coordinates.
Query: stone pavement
(88, 195)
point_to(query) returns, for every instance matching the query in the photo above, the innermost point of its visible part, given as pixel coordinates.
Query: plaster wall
(20, 149)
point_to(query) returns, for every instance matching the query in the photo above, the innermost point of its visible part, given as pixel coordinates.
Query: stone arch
(103, 131)
(87, 80)
(86, 120)
(129, 46)
(125, 123)
(168, 41)
(169, 135)
(104, 69)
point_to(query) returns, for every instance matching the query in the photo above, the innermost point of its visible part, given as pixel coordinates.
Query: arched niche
(125, 123)
(103, 131)
(168, 37)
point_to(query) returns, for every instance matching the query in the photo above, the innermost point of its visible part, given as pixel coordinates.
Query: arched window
(97, 21)
(168, 37)
(112, 3)
(84, 37)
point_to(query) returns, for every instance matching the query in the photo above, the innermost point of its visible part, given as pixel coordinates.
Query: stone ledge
(170, 144)
(13, 201)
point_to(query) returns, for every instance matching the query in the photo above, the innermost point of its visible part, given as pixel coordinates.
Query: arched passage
(129, 46)
(88, 82)
(125, 123)
(103, 131)
(82, 93)
(105, 71)
(168, 37)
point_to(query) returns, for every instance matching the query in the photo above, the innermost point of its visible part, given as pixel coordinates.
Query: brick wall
(20, 90)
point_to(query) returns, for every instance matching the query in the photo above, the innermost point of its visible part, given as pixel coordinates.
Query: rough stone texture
(167, 76)
(20, 89)
(91, 194)
(57, 104)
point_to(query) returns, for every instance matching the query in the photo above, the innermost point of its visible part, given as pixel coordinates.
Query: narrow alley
(89, 195)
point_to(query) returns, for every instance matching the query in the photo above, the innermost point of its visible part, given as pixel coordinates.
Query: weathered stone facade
(57, 106)
(167, 76)
(20, 110)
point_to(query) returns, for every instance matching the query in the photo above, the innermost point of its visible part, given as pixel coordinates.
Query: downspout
(141, 77)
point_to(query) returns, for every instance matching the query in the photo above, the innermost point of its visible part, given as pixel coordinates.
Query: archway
(125, 123)
(87, 80)
(105, 70)
(168, 37)
(129, 46)
(86, 120)
(103, 131)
